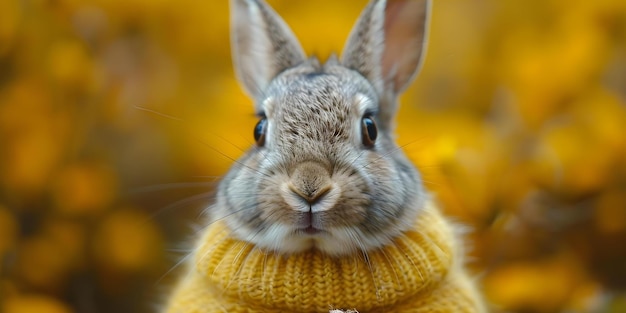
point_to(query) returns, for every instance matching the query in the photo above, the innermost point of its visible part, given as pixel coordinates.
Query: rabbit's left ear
(262, 44)
(387, 43)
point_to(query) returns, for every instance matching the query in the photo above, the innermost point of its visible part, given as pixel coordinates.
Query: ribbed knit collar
(237, 273)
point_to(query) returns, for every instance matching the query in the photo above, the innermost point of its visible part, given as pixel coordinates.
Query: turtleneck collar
(238, 275)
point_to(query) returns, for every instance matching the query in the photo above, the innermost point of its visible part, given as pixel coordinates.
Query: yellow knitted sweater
(420, 272)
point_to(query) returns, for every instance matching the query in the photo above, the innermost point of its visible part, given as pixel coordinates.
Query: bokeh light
(117, 118)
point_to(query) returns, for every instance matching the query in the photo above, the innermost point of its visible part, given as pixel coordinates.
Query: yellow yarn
(420, 272)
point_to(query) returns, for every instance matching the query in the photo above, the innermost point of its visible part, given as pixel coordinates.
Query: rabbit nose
(310, 181)
(311, 196)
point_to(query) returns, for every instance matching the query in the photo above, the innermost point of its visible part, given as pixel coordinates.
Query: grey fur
(314, 170)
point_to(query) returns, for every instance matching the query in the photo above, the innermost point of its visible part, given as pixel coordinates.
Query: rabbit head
(325, 173)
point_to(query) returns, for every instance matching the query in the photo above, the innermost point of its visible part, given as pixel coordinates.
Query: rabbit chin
(335, 241)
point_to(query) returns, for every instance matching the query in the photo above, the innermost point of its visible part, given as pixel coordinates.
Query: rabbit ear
(387, 43)
(262, 44)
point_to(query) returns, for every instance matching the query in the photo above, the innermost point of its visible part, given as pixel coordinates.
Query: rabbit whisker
(366, 258)
(170, 186)
(415, 266)
(177, 204)
(174, 267)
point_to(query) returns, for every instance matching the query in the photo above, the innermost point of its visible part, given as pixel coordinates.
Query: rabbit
(325, 183)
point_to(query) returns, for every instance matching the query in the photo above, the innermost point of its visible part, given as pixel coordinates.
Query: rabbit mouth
(309, 225)
(309, 231)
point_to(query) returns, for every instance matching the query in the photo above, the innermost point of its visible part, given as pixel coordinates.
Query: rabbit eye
(369, 131)
(259, 131)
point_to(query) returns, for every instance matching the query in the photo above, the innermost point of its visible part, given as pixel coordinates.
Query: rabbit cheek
(388, 193)
(274, 210)
(350, 208)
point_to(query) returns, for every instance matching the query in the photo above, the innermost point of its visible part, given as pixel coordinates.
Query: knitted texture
(420, 272)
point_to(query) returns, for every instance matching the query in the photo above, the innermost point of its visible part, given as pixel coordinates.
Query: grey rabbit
(325, 178)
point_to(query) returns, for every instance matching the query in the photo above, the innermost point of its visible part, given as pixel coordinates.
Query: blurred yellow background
(118, 116)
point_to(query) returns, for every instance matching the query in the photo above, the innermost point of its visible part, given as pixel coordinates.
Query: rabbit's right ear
(387, 47)
(262, 44)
